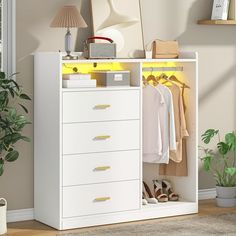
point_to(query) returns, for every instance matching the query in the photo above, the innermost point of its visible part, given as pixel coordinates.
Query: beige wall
(165, 19)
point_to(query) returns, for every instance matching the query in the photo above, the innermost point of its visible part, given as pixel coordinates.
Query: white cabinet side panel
(47, 89)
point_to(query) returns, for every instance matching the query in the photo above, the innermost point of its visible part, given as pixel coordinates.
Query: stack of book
(78, 81)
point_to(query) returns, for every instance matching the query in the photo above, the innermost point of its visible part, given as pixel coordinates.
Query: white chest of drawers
(87, 150)
(101, 152)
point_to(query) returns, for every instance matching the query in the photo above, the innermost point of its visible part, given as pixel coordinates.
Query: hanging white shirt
(158, 124)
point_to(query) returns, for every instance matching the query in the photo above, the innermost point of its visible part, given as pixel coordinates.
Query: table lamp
(68, 17)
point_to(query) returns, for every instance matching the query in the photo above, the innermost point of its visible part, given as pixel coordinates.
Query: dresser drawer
(100, 167)
(100, 198)
(101, 137)
(100, 106)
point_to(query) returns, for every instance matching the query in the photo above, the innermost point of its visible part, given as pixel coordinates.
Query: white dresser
(88, 147)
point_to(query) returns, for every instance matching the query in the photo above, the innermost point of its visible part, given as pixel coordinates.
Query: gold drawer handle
(102, 107)
(102, 168)
(102, 137)
(102, 199)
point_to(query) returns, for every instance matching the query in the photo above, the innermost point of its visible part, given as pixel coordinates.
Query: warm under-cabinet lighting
(89, 67)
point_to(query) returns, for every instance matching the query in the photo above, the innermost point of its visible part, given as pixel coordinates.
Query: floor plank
(34, 228)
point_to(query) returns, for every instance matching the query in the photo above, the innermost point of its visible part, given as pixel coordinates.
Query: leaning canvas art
(120, 22)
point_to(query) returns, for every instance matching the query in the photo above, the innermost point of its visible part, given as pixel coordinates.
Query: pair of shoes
(148, 196)
(164, 192)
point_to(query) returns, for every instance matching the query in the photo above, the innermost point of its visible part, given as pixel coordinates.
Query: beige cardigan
(180, 123)
(174, 168)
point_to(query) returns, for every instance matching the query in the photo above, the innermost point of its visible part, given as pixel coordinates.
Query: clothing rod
(178, 68)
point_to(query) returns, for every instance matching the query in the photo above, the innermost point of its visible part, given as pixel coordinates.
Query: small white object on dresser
(88, 167)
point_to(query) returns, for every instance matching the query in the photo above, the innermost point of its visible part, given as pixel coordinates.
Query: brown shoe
(159, 195)
(168, 190)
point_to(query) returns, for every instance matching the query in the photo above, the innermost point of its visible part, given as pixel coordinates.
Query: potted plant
(221, 162)
(11, 127)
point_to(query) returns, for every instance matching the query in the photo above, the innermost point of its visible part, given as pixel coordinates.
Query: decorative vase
(226, 196)
(3, 216)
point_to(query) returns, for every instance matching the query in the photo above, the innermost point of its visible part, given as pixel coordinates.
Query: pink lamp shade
(68, 17)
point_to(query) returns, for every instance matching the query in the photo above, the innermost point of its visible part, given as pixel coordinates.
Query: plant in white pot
(221, 162)
(11, 127)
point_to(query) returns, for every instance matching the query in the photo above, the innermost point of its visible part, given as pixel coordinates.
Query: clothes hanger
(158, 79)
(152, 78)
(145, 83)
(175, 79)
(172, 79)
(163, 76)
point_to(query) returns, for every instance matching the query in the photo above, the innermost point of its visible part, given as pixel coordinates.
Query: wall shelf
(217, 22)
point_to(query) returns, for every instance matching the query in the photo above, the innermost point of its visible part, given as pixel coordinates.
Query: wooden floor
(33, 228)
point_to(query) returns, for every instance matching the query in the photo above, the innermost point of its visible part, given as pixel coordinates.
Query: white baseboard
(20, 215)
(28, 214)
(204, 194)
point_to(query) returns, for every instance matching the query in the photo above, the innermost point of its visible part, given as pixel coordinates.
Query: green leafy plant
(220, 162)
(11, 123)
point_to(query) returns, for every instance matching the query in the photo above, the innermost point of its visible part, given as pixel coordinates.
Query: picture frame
(220, 10)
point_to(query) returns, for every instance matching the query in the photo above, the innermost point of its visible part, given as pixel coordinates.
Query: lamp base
(70, 57)
(68, 37)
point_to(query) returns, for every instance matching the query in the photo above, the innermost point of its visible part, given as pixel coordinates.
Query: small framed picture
(220, 10)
